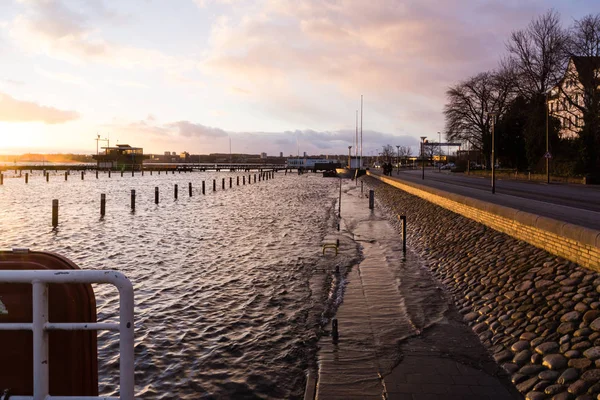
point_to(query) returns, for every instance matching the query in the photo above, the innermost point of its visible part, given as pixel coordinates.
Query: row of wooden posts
(265, 176)
(67, 173)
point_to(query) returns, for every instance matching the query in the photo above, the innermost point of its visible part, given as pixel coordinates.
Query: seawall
(537, 313)
(572, 242)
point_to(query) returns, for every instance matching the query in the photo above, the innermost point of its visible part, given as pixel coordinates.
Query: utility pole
(361, 126)
(493, 115)
(547, 145)
(423, 155)
(398, 160)
(349, 157)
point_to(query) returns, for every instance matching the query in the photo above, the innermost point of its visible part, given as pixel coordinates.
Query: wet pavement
(400, 336)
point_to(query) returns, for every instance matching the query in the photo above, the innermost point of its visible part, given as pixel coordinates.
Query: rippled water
(231, 288)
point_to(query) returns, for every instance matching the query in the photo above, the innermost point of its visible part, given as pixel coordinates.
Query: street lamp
(349, 157)
(423, 154)
(547, 148)
(493, 115)
(398, 160)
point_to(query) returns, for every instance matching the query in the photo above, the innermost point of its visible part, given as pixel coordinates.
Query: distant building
(167, 153)
(582, 74)
(263, 155)
(173, 154)
(281, 154)
(184, 156)
(304, 154)
(122, 156)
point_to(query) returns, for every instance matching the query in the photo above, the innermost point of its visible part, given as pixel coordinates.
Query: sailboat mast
(361, 126)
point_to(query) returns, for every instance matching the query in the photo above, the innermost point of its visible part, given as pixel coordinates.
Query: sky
(262, 75)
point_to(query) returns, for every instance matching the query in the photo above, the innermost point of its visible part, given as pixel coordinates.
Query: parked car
(448, 166)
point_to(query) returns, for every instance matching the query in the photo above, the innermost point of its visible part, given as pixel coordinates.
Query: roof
(585, 68)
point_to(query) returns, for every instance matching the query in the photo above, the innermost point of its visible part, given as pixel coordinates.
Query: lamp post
(493, 115)
(349, 157)
(398, 160)
(423, 155)
(547, 148)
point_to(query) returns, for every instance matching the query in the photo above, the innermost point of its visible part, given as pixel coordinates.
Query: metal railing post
(41, 384)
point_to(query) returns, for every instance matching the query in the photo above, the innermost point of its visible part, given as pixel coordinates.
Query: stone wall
(538, 314)
(572, 242)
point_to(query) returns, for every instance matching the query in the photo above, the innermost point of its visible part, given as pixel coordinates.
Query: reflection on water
(230, 288)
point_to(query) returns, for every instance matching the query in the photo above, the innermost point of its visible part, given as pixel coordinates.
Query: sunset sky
(272, 75)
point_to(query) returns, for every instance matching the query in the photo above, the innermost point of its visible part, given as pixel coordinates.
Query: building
(263, 155)
(121, 157)
(281, 154)
(581, 76)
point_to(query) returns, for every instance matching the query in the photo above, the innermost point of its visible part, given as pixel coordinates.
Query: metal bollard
(403, 219)
(26, 177)
(175, 191)
(190, 188)
(102, 204)
(156, 195)
(132, 199)
(54, 213)
(371, 199)
(203, 188)
(334, 330)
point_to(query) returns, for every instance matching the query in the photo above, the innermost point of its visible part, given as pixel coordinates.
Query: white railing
(40, 325)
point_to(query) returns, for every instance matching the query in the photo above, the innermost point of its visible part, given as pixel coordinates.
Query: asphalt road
(576, 204)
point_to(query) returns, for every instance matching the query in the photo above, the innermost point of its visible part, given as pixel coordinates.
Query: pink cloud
(13, 110)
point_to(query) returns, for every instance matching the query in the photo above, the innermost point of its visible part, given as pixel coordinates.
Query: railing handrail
(40, 325)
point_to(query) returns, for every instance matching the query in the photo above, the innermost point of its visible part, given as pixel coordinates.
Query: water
(231, 288)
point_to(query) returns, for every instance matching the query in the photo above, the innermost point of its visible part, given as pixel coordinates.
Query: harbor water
(232, 291)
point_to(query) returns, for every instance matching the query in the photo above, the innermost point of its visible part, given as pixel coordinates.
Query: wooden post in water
(334, 330)
(403, 219)
(121, 173)
(109, 173)
(54, 213)
(203, 191)
(102, 204)
(142, 172)
(82, 174)
(132, 171)
(66, 174)
(190, 188)
(175, 191)
(371, 199)
(47, 176)
(132, 199)
(254, 178)
(1, 178)
(150, 172)
(96, 174)
(230, 182)
(26, 177)
(223, 184)
(238, 180)
(244, 180)
(249, 179)
(214, 185)
(156, 195)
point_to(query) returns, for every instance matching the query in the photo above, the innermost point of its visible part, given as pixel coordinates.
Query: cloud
(52, 28)
(189, 129)
(198, 138)
(13, 110)
(63, 77)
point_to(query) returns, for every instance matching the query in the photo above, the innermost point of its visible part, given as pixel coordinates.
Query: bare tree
(404, 152)
(388, 153)
(539, 54)
(470, 101)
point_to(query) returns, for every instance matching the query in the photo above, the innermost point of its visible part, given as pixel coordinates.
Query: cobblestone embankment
(538, 314)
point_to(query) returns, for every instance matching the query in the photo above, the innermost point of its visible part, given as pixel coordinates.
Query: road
(576, 204)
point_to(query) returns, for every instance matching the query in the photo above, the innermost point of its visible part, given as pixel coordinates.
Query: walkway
(399, 335)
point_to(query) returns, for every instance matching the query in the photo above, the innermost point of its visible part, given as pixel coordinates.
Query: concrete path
(399, 335)
(575, 204)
